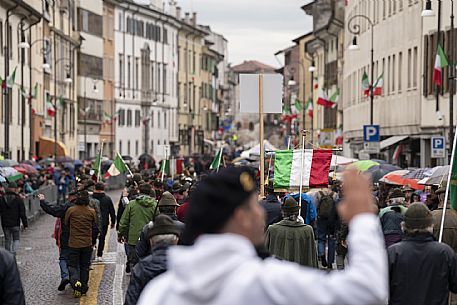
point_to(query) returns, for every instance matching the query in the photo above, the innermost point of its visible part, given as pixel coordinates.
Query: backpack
(325, 206)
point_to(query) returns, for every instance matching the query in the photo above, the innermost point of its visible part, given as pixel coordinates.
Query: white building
(146, 67)
(397, 56)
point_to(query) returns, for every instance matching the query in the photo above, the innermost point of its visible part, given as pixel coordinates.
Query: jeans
(78, 265)
(326, 237)
(132, 258)
(101, 240)
(12, 236)
(63, 263)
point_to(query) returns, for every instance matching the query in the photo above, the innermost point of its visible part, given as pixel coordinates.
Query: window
(136, 148)
(137, 118)
(165, 35)
(159, 87)
(129, 81)
(120, 147)
(121, 70)
(384, 9)
(121, 22)
(393, 73)
(400, 67)
(164, 78)
(165, 120)
(152, 146)
(152, 118)
(1, 37)
(388, 75)
(121, 119)
(409, 67)
(415, 68)
(136, 72)
(129, 117)
(145, 69)
(128, 147)
(158, 119)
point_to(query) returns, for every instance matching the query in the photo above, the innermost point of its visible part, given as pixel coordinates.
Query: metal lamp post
(354, 28)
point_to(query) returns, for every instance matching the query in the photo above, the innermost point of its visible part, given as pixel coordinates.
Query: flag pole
(164, 163)
(128, 168)
(99, 169)
(303, 140)
(446, 196)
(220, 158)
(262, 148)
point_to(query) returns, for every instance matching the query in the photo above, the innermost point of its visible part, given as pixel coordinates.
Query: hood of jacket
(98, 196)
(201, 271)
(145, 200)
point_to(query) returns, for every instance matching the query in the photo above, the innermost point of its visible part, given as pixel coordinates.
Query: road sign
(371, 133)
(371, 138)
(371, 147)
(81, 146)
(438, 147)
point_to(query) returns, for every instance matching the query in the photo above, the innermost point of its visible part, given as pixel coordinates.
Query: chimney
(186, 18)
(178, 12)
(194, 18)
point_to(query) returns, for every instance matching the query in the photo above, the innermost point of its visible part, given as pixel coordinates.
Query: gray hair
(168, 239)
(412, 232)
(397, 201)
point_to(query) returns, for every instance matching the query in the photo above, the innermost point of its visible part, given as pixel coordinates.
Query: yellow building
(190, 108)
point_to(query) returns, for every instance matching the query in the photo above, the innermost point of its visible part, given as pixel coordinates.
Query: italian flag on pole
(365, 84)
(327, 102)
(310, 108)
(217, 161)
(118, 167)
(172, 167)
(315, 170)
(440, 63)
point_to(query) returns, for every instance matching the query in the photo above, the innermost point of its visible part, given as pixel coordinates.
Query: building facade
(146, 68)
(190, 122)
(398, 59)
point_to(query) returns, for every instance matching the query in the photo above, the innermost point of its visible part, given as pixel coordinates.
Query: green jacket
(292, 241)
(136, 215)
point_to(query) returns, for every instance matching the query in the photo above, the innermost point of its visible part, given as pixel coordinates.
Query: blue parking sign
(438, 147)
(371, 133)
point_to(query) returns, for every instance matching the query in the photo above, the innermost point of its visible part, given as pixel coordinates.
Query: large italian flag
(440, 63)
(118, 167)
(172, 167)
(315, 169)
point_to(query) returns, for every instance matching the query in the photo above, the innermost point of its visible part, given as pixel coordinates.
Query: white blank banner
(272, 93)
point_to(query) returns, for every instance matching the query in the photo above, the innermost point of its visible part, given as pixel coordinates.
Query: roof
(296, 40)
(253, 66)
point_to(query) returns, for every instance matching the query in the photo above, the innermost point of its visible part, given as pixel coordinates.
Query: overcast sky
(255, 29)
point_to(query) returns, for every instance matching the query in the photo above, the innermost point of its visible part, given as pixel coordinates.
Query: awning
(47, 148)
(391, 141)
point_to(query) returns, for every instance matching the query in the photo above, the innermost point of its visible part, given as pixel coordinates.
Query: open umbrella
(396, 178)
(438, 176)
(363, 165)
(8, 163)
(78, 163)
(379, 171)
(29, 162)
(62, 159)
(419, 173)
(10, 174)
(21, 170)
(29, 168)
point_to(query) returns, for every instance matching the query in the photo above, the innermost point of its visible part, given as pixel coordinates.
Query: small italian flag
(440, 63)
(288, 167)
(298, 106)
(217, 161)
(118, 167)
(172, 167)
(10, 80)
(378, 85)
(327, 102)
(365, 84)
(310, 108)
(50, 107)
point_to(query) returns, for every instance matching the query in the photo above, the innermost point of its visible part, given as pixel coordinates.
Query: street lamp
(355, 29)
(68, 79)
(428, 12)
(291, 82)
(312, 68)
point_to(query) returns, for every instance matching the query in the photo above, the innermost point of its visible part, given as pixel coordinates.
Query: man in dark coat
(271, 205)
(107, 212)
(291, 239)
(421, 270)
(12, 211)
(392, 216)
(163, 234)
(11, 291)
(167, 206)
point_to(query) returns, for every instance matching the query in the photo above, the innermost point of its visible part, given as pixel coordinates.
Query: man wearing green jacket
(136, 215)
(291, 239)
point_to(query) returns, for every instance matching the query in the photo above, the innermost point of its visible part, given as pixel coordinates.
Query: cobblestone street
(40, 273)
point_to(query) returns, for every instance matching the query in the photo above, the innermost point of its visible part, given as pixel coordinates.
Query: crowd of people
(210, 239)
